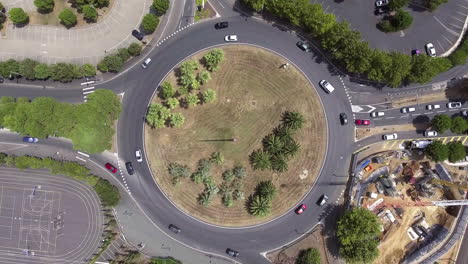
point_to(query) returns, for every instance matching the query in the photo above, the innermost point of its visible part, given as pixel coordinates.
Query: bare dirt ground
(253, 92)
(371, 131)
(420, 99)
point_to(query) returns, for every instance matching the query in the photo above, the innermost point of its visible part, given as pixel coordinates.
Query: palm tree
(260, 160)
(177, 120)
(272, 144)
(172, 103)
(239, 172)
(209, 96)
(228, 175)
(204, 77)
(227, 199)
(259, 206)
(267, 190)
(217, 158)
(238, 195)
(204, 199)
(279, 164)
(294, 120)
(291, 149)
(192, 99)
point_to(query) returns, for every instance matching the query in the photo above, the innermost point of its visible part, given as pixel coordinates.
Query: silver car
(452, 105)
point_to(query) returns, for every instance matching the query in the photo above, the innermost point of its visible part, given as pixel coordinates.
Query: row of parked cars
(405, 110)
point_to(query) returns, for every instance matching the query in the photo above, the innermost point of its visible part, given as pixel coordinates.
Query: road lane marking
(81, 159)
(84, 154)
(88, 92)
(89, 88)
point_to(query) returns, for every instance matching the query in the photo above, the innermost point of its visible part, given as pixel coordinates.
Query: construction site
(417, 201)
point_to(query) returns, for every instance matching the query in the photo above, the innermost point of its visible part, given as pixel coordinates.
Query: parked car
(303, 46)
(362, 122)
(322, 200)
(377, 114)
(430, 107)
(2, 79)
(232, 253)
(30, 139)
(430, 50)
(129, 167)
(327, 86)
(299, 210)
(230, 38)
(390, 136)
(464, 113)
(137, 34)
(405, 110)
(111, 168)
(343, 119)
(430, 133)
(146, 63)
(380, 3)
(174, 228)
(415, 52)
(452, 105)
(138, 156)
(221, 25)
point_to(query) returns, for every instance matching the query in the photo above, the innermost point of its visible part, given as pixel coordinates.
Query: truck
(420, 144)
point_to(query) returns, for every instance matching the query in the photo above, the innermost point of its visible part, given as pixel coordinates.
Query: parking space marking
(451, 43)
(448, 29)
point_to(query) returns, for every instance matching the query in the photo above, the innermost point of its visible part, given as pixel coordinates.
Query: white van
(327, 86)
(146, 63)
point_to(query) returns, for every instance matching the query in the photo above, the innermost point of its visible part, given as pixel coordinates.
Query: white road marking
(88, 92)
(84, 154)
(81, 159)
(89, 88)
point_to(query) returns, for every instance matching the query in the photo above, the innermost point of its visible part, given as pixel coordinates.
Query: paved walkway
(87, 44)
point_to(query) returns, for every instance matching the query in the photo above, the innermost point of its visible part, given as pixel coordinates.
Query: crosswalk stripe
(443, 141)
(463, 142)
(88, 92)
(89, 88)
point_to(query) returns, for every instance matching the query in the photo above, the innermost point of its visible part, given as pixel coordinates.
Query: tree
(41, 71)
(113, 63)
(160, 6)
(456, 151)
(239, 172)
(212, 59)
(172, 103)
(134, 49)
(228, 175)
(437, 151)
(192, 99)
(67, 18)
(399, 69)
(441, 123)
(18, 16)
(357, 235)
(157, 115)
(217, 158)
(177, 119)
(101, 3)
(150, 23)
(433, 4)
(380, 64)
(260, 160)
(293, 120)
(89, 13)
(209, 96)
(401, 20)
(291, 148)
(459, 125)
(124, 54)
(259, 206)
(267, 190)
(458, 57)
(279, 164)
(188, 67)
(309, 256)
(204, 199)
(88, 70)
(203, 77)
(44, 6)
(273, 144)
(167, 91)
(397, 4)
(63, 72)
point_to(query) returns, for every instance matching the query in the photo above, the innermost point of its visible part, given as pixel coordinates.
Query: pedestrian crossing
(87, 91)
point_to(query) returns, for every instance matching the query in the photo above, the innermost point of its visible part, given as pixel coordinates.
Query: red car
(362, 122)
(111, 168)
(301, 209)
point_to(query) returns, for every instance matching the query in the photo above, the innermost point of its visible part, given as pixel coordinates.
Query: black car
(322, 200)
(303, 46)
(343, 119)
(137, 34)
(221, 25)
(174, 228)
(232, 253)
(130, 169)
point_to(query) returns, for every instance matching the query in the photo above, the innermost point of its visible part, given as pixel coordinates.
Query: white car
(452, 105)
(390, 136)
(381, 3)
(230, 38)
(327, 86)
(146, 63)
(138, 156)
(405, 110)
(464, 113)
(376, 114)
(430, 107)
(430, 133)
(430, 50)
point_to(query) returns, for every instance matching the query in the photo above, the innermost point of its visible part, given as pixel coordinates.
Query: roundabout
(253, 93)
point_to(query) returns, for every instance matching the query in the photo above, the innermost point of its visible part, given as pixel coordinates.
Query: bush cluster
(279, 146)
(18, 16)
(346, 47)
(453, 151)
(44, 6)
(151, 21)
(108, 193)
(433, 4)
(442, 123)
(3, 16)
(460, 55)
(159, 116)
(213, 59)
(80, 4)
(160, 6)
(259, 203)
(34, 70)
(67, 18)
(400, 21)
(115, 62)
(309, 256)
(88, 125)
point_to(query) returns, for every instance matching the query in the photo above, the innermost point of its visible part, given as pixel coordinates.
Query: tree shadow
(418, 7)
(421, 123)
(329, 229)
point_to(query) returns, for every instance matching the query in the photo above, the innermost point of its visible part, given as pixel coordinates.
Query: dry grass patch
(371, 131)
(252, 93)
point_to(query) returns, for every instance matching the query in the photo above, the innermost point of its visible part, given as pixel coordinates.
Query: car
(303, 46)
(174, 228)
(381, 10)
(390, 136)
(137, 34)
(138, 156)
(376, 114)
(2, 79)
(362, 122)
(146, 63)
(129, 167)
(452, 105)
(232, 253)
(322, 200)
(368, 168)
(430, 107)
(415, 52)
(343, 119)
(221, 25)
(430, 133)
(464, 113)
(111, 168)
(380, 3)
(30, 139)
(430, 50)
(230, 38)
(327, 86)
(300, 209)
(405, 110)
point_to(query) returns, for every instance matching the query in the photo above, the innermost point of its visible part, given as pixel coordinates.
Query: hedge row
(347, 49)
(108, 193)
(115, 62)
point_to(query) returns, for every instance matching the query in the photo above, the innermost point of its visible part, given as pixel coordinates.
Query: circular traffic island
(234, 136)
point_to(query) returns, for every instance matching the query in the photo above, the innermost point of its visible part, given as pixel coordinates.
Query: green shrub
(89, 13)
(63, 72)
(44, 6)
(124, 54)
(67, 18)
(150, 23)
(134, 49)
(88, 70)
(458, 57)
(42, 71)
(160, 6)
(26, 69)
(108, 193)
(101, 3)
(433, 4)
(114, 63)
(18, 16)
